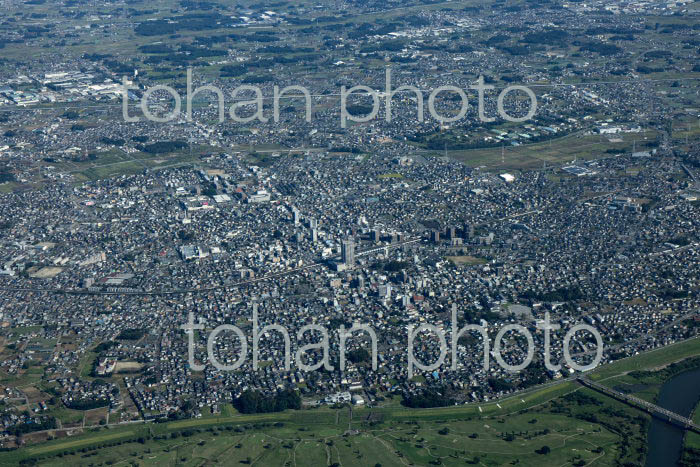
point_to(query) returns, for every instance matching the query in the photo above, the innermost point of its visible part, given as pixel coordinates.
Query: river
(680, 394)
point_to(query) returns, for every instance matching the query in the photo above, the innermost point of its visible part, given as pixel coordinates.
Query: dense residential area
(190, 278)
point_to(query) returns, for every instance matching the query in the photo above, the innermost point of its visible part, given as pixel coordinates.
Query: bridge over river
(653, 409)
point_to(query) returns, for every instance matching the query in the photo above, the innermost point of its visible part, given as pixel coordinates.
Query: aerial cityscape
(349, 233)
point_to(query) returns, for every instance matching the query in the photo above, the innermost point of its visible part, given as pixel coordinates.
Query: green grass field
(103, 437)
(692, 439)
(555, 152)
(649, 360)
(397, 443)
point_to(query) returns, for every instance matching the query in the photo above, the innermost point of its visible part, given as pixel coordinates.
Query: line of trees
(162, 147)
(87, 404)
(427, 399)
(46, 423)
(255, 402)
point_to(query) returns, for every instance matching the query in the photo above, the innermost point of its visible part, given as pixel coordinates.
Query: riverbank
(679, 394)
(690, 456)
(546, 400)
